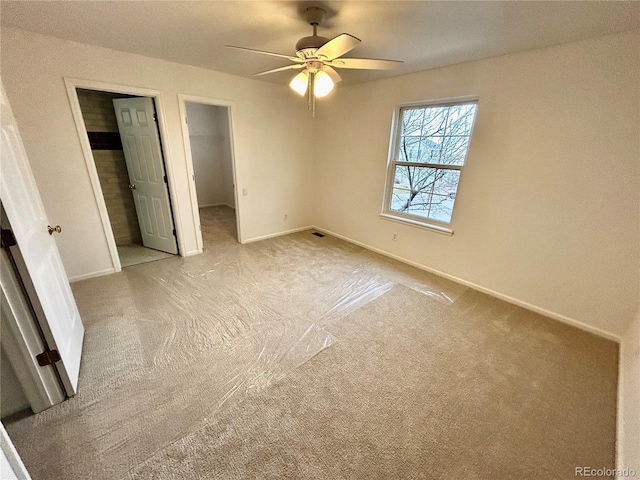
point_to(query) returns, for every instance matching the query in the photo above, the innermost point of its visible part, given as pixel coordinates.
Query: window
(428, 154)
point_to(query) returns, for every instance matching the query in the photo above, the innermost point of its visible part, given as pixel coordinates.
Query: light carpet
(307, 357)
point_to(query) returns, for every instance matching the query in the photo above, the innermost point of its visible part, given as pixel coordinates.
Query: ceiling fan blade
(338, 46)
(262, 52)
(332, 73)
(281, 69)
(366, 63)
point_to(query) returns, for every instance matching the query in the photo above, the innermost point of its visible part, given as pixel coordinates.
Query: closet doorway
(209, 143)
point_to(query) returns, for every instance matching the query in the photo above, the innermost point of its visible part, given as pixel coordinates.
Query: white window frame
(393, 160)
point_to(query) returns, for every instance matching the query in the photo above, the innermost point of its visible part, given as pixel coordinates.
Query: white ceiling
(424, 34)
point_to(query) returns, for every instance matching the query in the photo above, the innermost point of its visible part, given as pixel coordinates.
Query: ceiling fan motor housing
(307, 46)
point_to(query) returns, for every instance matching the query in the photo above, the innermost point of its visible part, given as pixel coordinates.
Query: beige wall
(270, 124)
(99, 116)
(548, 209)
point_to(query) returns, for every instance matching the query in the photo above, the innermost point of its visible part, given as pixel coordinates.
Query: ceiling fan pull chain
(312, 89)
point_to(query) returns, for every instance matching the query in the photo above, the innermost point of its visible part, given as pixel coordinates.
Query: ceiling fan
(318, 57)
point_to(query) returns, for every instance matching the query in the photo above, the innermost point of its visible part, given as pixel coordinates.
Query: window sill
(416, 223)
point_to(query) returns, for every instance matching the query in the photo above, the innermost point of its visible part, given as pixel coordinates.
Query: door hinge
(155, 117)
(8, 240)
(186, 120)
(174, 232)
(48, 357)
(165, 179)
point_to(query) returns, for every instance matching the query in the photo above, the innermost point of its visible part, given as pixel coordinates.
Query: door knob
(132, 186)
(53, 230)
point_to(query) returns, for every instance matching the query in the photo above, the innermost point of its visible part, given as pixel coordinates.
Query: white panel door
(147, 178)
(25, 211)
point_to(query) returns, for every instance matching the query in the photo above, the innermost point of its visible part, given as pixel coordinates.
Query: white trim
(278, 234)
(620, 463)
(440, 102)
(86, 276)
(92, 170)
(231, 107)
(542, 311)
(71, 85)
(415, 223)
(169, 170)
(195, 214)
(14, 467)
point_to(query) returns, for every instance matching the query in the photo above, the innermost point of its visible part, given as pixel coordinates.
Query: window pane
(438, 134)
(446, 182)
(399, 199)
(422, 178)
(441, 208)
(435, 120)
(420, 205)
(430, 150)
(412, 187)
(424, 191)
(412, 121)
(454, 150)
(460, 119)
(409, 149)
(401, 189)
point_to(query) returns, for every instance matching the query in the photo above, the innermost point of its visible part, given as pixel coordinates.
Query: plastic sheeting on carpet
(182, 337)
(251, 315)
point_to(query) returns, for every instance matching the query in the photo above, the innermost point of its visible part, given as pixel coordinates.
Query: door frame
(71, 85)
(10, 460)
(22, 341)
(230, 106)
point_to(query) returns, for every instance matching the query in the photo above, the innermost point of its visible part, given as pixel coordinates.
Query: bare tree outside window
(431, 150)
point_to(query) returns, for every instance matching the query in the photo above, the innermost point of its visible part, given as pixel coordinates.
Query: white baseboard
(534, 308)
(191, 253)
(86, 276)
(217, 205)
(278, 234)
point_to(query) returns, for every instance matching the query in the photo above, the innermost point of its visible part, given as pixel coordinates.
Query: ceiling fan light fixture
(299, 83)
(318, 56)
(322, 85)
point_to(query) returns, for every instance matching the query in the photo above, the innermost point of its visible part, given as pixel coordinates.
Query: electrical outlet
(395, 236)
(286, 215)
(244, 192)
